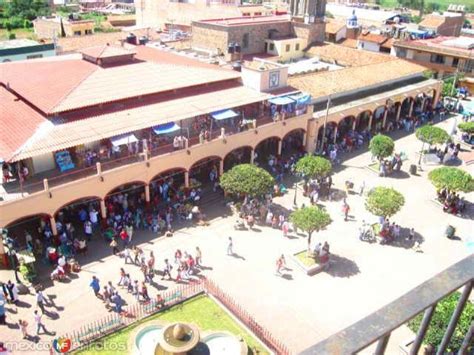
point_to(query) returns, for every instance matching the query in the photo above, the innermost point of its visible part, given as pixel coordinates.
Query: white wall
(43, 162)
(341, 34)
(368, 46)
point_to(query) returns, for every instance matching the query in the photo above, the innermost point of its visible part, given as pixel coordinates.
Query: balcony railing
(43, 181)
(378, 326)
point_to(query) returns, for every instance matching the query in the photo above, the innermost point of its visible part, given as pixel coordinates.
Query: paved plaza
(299, 309)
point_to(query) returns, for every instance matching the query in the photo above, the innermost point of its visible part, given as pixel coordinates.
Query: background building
(56, 26)
(448, 24)
(21, 49)
(444, 55)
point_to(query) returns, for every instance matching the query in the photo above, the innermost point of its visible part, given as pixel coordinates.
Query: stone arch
(17, 228)
(363, 120)
(201, 169)
(294, 140)
(406, 103)
(162, 175)
(132, 187)
(266, 147)
(345, 125)
(377, 119)
(236, 156)
(77, 202)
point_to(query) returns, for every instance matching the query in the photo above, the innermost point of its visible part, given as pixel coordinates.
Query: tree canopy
(310, 219)
(313, 167)
(453, 179)
(20, 13)
(384, 201)
(247, 179)
(440, 321)
(467, 127)
(432, 135)
(381, 146)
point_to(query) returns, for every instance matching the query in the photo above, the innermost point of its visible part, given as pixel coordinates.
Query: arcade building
(86, 126)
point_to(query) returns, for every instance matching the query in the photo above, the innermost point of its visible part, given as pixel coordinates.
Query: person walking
(345, 209)
(230, 247)
(95, 285)
(122, 277)
(198, 257)
(88, 230)
(167, 270)
(24, 328)
(151, 263)
(127, 255)
(113, 244)
(39, 323)
(279, 264)
(40, 300)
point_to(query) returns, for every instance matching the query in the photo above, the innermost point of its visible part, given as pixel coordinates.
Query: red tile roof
(374, 38)
(67, 84)
(19, 122)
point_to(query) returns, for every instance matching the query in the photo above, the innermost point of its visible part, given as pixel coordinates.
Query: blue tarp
(302, 99)
(224, 114)
(283, 100)
(166, 128)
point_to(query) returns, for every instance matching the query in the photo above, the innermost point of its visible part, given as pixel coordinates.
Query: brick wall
(210, 36)
(46, 29)
(452, 26)
(310, 33)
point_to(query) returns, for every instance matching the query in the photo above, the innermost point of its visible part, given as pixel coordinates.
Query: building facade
(443, 55)
(23, 49)
(54, 27)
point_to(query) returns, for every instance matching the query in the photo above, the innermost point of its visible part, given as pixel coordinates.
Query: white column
(280, 145)
(103, 209)
(399, 111)
(335, 134)
(147, 193)
(52, 221)
(384, 118)
(221, 167)
(410, 112)
(252, 156)
(186, 179)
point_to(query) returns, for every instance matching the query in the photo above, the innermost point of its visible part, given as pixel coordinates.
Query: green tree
(467, 127)
(310, 219)
(381, 146)
(384, 201)
(452, 179)
(432, 135)
(313, 167)
(247, 179)
(440, 321)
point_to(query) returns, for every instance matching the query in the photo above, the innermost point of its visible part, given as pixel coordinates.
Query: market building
(21, 49)
(132, 116)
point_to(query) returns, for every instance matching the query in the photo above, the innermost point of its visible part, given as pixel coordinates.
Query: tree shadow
(399, 175)
(341, 267)
(404, 242)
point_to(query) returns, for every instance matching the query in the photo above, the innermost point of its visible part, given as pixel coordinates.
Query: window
(33, 56)
(271, 47)
(436, 58)
(288, 47)
(245, 40)
(88, 32)
(77, 33)
(257, 14)
(246, 14)
(401, 53)
(297, 46)
(455, 62)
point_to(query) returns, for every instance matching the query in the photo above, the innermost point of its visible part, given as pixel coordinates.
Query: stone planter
(310, 270)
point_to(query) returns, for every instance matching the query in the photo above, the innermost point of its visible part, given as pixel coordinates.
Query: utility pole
(325, 123)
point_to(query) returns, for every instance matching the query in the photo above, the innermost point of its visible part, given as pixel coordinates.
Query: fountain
(156, 338)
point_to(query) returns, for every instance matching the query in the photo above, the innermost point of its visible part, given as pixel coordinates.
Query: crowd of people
(452, 202)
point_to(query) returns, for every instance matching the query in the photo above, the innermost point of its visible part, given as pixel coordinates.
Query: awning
(166, 128)
(123, 139)
(224, 114)
(301, 99)
(283, 100)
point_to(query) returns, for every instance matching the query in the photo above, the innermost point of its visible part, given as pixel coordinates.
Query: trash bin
(413, 169)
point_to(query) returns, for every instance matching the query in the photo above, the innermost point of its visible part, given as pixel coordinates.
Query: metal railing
(378, 326)
(140, 311)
